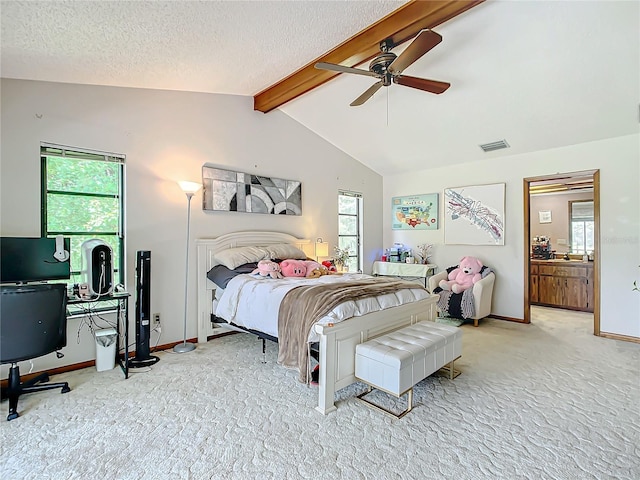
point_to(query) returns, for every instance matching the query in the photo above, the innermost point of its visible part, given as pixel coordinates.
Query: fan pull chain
(387, 89)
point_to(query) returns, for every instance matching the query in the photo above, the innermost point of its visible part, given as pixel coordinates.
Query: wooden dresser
(561, 283)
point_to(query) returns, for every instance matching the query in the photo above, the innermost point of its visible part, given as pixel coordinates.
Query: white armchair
(482, 294)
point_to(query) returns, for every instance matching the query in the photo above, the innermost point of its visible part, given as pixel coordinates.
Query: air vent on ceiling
(490, 147)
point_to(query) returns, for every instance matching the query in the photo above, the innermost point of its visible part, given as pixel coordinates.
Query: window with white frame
(582, 225)
(350, 228)
(82, 198)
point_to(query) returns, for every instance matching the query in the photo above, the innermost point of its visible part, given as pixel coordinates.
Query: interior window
(581, 221)
(82, 198)
(350, 227)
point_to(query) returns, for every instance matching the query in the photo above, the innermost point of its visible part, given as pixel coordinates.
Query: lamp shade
(322, 249)
(190, 187)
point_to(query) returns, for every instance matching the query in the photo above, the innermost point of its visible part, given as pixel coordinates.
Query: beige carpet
(541, 401)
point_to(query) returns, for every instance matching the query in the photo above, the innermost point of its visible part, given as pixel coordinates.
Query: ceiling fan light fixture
(387, 67)
(490, 147)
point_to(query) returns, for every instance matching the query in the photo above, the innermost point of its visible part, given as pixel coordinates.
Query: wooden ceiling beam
(400, 25)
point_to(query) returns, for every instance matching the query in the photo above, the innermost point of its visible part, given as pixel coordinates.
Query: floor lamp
(190, 189)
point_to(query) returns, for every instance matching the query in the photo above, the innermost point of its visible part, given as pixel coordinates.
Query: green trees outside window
(82, 198)
(350, 228)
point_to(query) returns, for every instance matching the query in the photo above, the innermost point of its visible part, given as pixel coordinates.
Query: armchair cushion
(473, 303)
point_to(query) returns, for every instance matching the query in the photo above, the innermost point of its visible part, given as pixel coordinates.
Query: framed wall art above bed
(255, 304)
(231, 191)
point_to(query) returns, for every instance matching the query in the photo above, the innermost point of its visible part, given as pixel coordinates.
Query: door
(534, 289)
(556, 183)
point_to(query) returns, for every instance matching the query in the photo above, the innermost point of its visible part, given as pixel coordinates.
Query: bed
(336, 337)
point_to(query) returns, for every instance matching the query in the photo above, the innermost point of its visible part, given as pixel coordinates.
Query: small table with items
(117, 303)
(406, 271)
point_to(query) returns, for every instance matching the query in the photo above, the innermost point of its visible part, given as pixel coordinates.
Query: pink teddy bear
(464, 276)
(267, 268)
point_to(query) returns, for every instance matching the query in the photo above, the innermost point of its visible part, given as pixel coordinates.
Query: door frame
(596, 234)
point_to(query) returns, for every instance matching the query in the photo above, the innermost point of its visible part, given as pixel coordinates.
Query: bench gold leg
(450, 370)
(384, 410)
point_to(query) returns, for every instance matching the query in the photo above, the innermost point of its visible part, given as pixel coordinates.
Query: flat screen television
(24, 260)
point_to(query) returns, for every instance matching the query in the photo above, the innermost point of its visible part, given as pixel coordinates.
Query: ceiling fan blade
(425, 41)
(432, 86)
(343, 69)
(366, 95)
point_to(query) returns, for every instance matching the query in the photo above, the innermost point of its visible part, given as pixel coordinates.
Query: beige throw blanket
(303, 306)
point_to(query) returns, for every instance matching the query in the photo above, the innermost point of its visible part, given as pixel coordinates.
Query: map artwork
(416, 212)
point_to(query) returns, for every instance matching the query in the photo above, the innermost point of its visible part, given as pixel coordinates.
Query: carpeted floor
(541, 401)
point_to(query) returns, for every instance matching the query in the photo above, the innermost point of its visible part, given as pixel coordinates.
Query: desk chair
(33, 323)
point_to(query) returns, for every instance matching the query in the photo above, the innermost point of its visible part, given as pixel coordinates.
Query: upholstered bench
(396, 361)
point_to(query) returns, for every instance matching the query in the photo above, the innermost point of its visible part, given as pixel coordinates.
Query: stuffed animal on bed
(311, 266)
(330, 266)
(321, 271)
(464, 276)
(293, 268)
(267, 268)
(318, 272)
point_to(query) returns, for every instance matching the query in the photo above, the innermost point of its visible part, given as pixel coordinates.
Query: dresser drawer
(562, 271)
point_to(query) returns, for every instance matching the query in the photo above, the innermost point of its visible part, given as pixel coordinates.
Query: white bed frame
(337, 342)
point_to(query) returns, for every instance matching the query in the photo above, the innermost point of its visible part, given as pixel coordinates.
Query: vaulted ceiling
(538, 74)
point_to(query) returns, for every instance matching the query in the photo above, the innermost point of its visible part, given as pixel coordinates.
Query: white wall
(618, 160)
(167, 136)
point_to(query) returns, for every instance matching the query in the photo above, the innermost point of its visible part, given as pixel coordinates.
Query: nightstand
(406, 271)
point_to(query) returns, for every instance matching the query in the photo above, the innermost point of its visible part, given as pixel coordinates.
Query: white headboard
(208, 247)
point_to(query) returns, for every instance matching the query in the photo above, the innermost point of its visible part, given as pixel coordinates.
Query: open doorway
(562, 261)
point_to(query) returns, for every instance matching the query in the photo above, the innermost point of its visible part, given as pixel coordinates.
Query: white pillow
(234, 257)
(284, 251)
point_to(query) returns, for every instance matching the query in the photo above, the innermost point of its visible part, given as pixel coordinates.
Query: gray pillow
(285, 250)
(221, 275)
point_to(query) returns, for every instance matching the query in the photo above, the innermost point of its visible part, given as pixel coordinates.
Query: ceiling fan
(388, 67)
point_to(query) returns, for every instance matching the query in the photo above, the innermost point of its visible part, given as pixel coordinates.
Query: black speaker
(143, 311)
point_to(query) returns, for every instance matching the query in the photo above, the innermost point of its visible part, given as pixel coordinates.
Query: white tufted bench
(396, 361)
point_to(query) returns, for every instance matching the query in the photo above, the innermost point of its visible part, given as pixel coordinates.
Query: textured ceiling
(235, 47)
(538, 74)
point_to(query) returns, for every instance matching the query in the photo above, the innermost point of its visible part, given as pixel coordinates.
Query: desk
(405, 270)
(121, 308)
